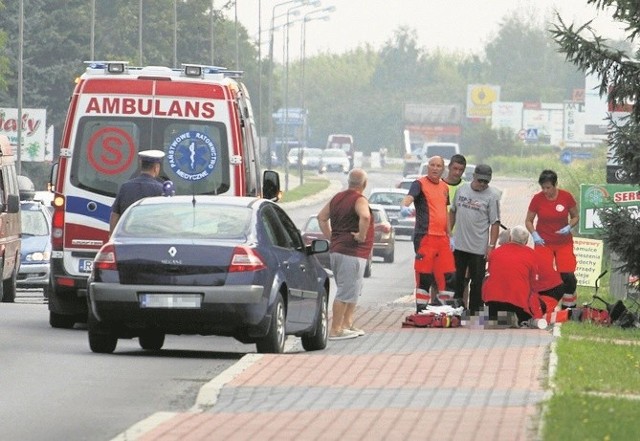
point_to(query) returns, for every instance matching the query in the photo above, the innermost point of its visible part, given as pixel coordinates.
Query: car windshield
(34, 223)
(208, 221)
(313, 152)
(383, 198)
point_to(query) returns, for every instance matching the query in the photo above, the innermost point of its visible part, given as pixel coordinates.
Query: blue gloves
(452, 243)
(564, 230)
(406, 211)
(537, 239)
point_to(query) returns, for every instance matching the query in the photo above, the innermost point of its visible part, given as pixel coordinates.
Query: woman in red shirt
(557, 213)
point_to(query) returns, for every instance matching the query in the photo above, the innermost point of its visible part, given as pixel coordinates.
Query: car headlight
(38, 256)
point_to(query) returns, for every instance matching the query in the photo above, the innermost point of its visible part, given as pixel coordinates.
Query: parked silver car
(391, 200)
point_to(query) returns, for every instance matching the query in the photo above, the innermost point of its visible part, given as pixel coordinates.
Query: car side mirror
(13, 203)
(318, 246)
(271, 185)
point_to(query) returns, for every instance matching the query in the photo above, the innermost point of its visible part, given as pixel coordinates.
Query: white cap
(151, 155)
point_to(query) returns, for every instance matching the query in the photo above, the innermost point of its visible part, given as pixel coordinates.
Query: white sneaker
(358, 331)
(345, 334)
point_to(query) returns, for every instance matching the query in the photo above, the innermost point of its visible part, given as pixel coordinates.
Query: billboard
(480, 98)
(33, 130)
(597, 196)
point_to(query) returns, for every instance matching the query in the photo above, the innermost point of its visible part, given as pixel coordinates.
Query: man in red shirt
(557, 213)
(347, 220)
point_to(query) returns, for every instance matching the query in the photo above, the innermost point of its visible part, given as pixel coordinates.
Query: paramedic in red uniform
(511, 283)
(144, 185)
(431, 238)
(347, 220)
(557, 213)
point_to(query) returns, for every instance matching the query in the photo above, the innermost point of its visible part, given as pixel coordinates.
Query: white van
(444, 149)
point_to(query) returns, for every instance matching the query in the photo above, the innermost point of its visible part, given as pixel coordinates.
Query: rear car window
(204, 221)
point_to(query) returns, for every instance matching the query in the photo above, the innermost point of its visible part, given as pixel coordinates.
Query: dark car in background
(384, 239)
(35, 252)
(208, 265)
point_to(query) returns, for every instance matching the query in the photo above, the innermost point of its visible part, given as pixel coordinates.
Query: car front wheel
(273, 342)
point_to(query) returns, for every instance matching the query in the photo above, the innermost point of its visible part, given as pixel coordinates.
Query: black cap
(482, 172)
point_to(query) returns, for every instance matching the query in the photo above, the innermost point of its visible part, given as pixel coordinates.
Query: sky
(452, 25)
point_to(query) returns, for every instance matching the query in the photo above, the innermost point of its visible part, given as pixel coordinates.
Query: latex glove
(452, 243)
(406, 211)
(564, 230)
(537, 239)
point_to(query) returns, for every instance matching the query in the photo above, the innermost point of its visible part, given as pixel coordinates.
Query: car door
(294, 264)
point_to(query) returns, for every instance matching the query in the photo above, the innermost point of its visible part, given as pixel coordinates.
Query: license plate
(170, 301)
(85, 265)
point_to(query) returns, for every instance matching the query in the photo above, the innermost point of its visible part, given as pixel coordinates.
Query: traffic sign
(531, 135)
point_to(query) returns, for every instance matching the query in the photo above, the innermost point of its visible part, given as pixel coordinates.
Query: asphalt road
(52, 387)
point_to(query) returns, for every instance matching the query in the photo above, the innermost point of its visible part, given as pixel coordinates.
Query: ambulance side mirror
(271, 185)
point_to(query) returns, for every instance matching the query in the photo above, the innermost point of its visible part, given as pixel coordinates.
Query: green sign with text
(594, 197)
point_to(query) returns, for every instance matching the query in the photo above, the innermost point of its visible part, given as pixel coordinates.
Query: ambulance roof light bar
(112, 67)
(199, 70)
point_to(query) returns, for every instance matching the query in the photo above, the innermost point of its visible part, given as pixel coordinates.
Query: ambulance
(200, 116)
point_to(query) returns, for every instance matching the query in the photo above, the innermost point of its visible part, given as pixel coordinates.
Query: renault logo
(172, 251)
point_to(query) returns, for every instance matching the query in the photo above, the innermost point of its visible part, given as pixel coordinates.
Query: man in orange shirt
(431, 238)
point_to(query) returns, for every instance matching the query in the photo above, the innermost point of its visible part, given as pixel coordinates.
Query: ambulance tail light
(57, 223)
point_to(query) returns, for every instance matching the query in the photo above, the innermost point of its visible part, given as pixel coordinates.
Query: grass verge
(597, 384)
(311, 186)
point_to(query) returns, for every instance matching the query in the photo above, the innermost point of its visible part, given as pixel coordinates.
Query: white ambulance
(200, 116)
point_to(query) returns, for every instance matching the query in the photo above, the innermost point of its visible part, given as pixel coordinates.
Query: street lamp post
(140, 32)
(270, 74)
(307, 17)
(285, 55)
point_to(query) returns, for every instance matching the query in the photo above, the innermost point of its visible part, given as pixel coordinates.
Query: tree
(523, 60)
(619, 73)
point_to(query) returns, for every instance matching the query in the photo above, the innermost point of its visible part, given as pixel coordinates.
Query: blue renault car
(208, 265)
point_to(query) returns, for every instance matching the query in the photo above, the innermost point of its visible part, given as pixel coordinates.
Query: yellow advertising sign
(589, 256)
(479, 99)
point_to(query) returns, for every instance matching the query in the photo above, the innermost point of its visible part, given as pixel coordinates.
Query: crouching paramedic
(511, 283)
(431, 237)
(548, 284)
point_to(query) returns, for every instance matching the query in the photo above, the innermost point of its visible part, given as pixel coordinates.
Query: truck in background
(427, 124)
